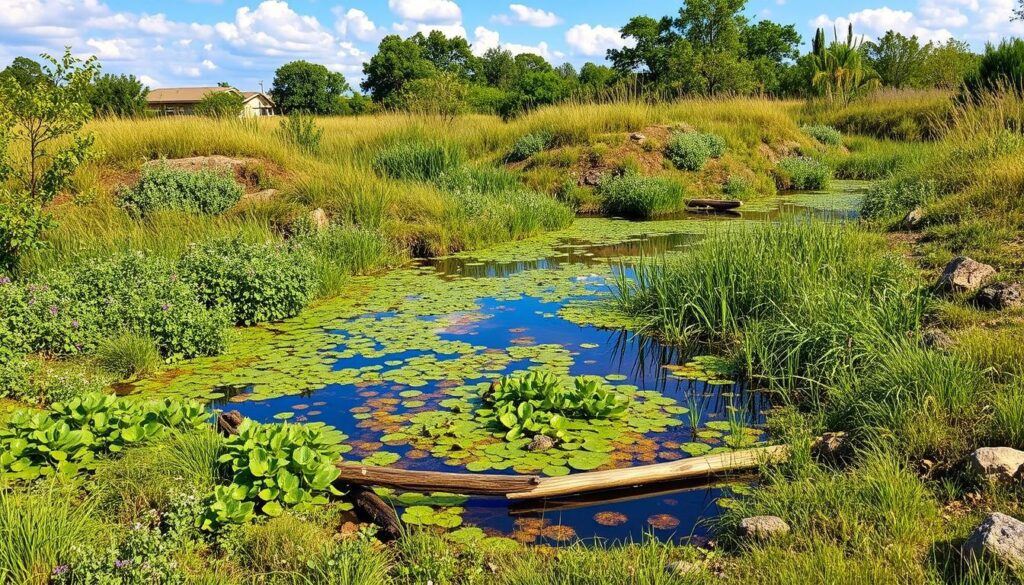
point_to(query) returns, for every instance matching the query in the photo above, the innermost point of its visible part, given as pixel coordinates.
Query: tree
(840, 73)
(301, 86)
(221, 104)
(42, 115)
(45, 115)
(444, 95)
(1001, 68)
(24, 71)
(649, 51)
(118, 95)
(948, 65)
(712, 25)
(596, 78)
(397, 62)
(496, 68)
(898, 59)
(449, 55)
(1018, 12)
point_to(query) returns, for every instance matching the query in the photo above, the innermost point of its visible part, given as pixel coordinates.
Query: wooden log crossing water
(525, 487)
(713, 203)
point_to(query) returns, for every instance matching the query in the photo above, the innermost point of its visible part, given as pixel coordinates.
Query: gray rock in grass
(913, 219)
(999, 538)
(936, 339)
(541, 443)
(682, 568)
(762, 527)
(963, 275)
(996, 463)
(637, 137)
(1000, 296)
(319, 218)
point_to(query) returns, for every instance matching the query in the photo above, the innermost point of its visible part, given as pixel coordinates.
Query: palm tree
(840, 72)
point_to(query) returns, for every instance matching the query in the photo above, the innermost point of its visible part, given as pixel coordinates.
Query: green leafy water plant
(537, 404)
(275, 466)
(67, 438)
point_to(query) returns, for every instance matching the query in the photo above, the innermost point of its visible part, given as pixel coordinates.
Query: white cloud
(428, 11)
(484, 39)
(111, 49)
(593, 41)
(454, 29)
(208, 65)
(355, 24)
(540, 48)
(274, 29)
(874, 22)
(521, 14)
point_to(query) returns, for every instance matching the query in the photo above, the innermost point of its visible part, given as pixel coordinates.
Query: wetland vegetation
(527, 294)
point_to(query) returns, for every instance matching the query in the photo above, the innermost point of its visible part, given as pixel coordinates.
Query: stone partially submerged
(999, 538)
(964, 275)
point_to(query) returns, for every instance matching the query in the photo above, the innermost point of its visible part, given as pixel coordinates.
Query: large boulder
(996, 463)
(999, 538)
(762, 527)
(963, 275)
(912, 219)
(1001, 295)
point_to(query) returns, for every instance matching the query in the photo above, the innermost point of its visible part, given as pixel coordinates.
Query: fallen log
(435, 481)
(371, 508)
(693, 467)
(713, 203)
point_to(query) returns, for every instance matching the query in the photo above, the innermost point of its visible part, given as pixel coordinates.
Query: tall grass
(128, 355)
(634, 196)
(37, 533)
(799, 299)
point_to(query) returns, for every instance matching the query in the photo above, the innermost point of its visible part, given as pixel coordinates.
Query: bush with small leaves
(638, 197)
(259, 282)
(824, 134)
(691, 150)
(802, 173)
(529, 145)
(164, 187)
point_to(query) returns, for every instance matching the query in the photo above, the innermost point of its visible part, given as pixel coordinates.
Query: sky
(175, 43)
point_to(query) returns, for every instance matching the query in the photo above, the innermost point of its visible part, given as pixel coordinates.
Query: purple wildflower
(75, 324)
(5, 279)
(165, 307)
(120, 564)
(61, 569)
(54, 310)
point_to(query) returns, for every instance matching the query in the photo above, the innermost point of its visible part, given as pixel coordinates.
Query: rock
(637, 137)
(832, 446)
(936, 339)
(540, 443)
(964, 274)
(1000, 538)
(591, 178)
(1001, 295)
(762, 527)
(319, 218)
(912, 219)
(198, 163)
(682, 568)
(996, 463)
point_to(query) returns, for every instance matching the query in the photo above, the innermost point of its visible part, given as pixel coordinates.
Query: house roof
(248, 95)
(183, 95)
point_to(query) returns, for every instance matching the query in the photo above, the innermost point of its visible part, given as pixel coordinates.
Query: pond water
(399, 362)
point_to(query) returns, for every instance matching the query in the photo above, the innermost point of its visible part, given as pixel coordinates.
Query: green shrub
(22, 223)
(164, 187)
(638, 197)
(67, 438)
(529, 145)
(71, 311)
(897, 197)
(15, 379)
(338, 252)
(221, 104)
(801, 173)
(689, 151)
(128, 355)
(257, 282)
(416, 160)
(141, 555)
(737, 186)
(1001, 68)
(63, 380)
(302, 131)
(275, 466)
(824, 134)
(39, 531)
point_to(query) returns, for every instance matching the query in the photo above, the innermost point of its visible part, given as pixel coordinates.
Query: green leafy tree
(898, 59)
(221, 104)
(948, 65)
(771, 48)
(24, 71)
(301, 86)
(397, 62)
(123, 96)
(496, 68)
(652, 46)
(449, 55)
(840, 71)
(1000, 68)
(444, 95)
(43, 118)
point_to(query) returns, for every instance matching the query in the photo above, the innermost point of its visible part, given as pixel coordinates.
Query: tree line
(707, 48)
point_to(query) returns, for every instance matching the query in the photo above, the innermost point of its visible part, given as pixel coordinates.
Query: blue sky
(201, 42)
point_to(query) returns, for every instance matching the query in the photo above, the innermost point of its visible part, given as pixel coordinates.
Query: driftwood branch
(435, 481)
(373, 509)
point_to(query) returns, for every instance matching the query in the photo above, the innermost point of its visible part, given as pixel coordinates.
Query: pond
(399, 362)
